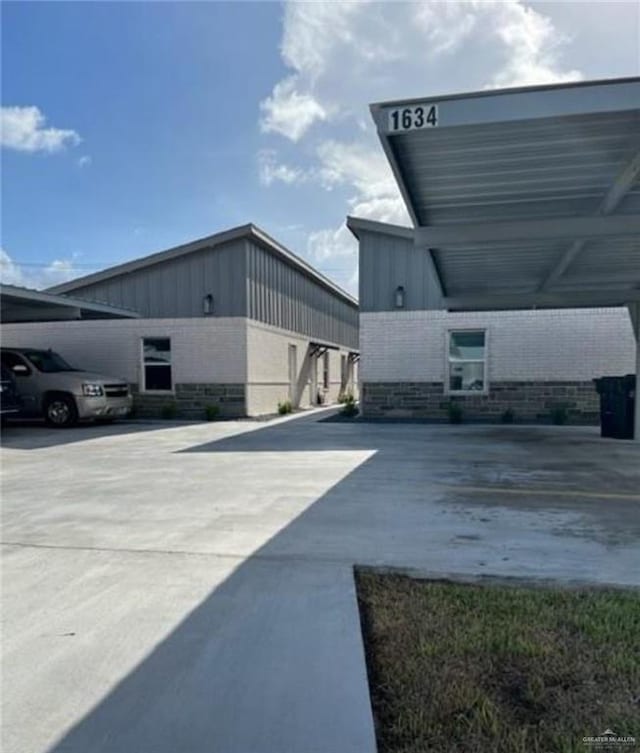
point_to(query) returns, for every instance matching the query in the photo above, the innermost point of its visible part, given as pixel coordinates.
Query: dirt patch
(499, 669)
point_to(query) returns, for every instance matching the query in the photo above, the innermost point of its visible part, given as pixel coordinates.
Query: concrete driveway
(189, 587)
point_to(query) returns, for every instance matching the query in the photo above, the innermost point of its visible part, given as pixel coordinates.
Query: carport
(525, 198)
(27, 305)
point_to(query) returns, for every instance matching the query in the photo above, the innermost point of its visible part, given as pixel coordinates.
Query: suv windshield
(47, 361)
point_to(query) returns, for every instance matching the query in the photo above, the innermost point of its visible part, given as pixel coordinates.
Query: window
(467, 361)
(9, 360)
(156, 353)
(325, 371)
(47, 361)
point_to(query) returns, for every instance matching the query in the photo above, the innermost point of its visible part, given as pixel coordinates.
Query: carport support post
(634, 311)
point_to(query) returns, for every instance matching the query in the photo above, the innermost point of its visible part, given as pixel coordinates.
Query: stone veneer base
(529, 401)
(191, 401)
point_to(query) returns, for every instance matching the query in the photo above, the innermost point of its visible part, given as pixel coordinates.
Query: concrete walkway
(189, 587)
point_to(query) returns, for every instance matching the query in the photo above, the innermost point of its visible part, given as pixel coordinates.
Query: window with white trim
(467, 361)
(156, 364)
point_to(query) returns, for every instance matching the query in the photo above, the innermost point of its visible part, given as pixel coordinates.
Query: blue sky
(158, 123)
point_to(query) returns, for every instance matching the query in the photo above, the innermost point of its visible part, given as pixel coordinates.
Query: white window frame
(143, 370)
(485, 360)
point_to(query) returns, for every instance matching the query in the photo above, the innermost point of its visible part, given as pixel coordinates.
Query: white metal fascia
(524, 103)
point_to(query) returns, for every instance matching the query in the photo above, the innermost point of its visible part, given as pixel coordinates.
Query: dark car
(9, 400)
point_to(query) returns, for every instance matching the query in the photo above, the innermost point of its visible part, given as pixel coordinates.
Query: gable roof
(249, 231)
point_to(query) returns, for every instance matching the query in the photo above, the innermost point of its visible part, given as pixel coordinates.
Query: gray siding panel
(285, 297)
(245, 279)
(176, 288)
(387, 262)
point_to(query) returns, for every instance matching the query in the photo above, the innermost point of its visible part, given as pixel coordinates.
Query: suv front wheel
(60, 411)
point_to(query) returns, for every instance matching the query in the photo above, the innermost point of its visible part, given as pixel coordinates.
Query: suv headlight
(90, 389)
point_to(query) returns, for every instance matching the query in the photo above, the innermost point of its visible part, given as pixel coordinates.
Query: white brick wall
(549, 345)
(203, 350)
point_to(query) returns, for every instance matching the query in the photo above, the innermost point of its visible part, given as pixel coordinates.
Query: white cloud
(22, 129)
(37, 277)
(365, 171)
(289, 112)
(84, 161)
(271, 170)
(342, 56)
(329, 244)
(59, 271)
(532, 45)
(10, 272)
(360, 165)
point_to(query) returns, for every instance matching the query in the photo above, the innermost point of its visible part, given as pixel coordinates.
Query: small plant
(349, 409)
(212, 412)
(169, 411)
(559, 415)
(508, 417)
(285, 407)
(454, 411)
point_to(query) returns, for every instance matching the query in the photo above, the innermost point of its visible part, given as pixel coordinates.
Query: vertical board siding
(284, 297)
(385, 263)
(175, 288)
(244, 280)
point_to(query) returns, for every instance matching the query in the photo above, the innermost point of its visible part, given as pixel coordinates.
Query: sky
(131, 127)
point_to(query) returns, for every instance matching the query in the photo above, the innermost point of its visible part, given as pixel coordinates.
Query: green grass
(498, 669)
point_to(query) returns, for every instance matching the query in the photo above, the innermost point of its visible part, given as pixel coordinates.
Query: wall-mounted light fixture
(207, 305)
(399, 297)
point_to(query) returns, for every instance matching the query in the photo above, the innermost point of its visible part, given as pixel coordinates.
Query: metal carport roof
(25, 305)
(525, 197)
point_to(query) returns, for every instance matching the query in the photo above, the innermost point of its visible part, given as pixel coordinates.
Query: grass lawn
(499, 669)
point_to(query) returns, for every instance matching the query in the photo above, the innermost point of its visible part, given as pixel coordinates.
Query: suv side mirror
(20, 369)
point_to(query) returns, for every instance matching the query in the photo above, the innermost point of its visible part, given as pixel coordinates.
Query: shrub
(169, 411)
(285, 407)
(212, 412)
(559, 415)
(349, 408)
(508, 417)
(454, 410)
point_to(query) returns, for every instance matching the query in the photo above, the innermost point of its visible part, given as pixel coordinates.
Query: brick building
(519, 282)
(233, 320)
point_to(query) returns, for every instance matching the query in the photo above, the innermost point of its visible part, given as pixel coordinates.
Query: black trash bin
(617, 403)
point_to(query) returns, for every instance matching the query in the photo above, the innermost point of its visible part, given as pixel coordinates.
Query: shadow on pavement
(25, 434)
(271, 661)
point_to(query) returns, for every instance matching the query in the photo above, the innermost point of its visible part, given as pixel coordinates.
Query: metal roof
(249, 231)
(26, 305)
(526, 196)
